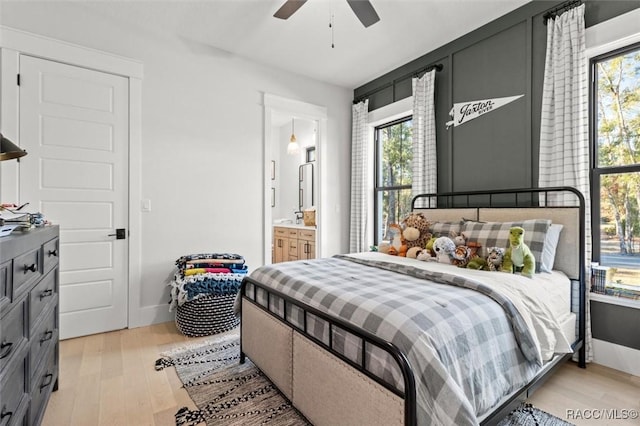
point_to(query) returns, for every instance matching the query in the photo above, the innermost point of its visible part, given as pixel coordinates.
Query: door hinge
(18, 80)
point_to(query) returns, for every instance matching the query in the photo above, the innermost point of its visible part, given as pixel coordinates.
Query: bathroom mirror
(306, 186)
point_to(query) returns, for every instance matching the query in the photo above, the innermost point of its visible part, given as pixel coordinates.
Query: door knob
(120, 234)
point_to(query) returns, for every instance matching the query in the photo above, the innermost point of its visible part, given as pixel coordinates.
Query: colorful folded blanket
(206, 274)
(185, 289)
(196, 271)
(216, 264)
(182, 260)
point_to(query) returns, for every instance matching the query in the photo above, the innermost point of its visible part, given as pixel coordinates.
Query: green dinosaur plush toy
(518, 255)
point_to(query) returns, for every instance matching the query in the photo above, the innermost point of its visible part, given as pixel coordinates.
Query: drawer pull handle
(48, 292)
(47, 336)
(48, 379)
(7, 347)
(53, 253)
(31, 268)
(6, 413)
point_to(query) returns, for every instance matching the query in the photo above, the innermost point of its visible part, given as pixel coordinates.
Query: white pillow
(549, 249)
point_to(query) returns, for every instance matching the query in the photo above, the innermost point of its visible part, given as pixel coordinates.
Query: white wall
(202, 136)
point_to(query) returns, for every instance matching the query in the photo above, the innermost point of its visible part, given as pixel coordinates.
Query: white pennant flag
(465, 111)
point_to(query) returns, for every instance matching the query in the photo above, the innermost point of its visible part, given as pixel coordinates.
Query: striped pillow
(496, 234)
(444, 229)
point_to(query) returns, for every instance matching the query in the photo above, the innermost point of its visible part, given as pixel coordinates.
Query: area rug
(225, 391)
(527, 415)
(229, 393)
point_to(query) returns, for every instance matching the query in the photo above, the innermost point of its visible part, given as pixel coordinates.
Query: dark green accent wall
(502, 58)
(499, 149)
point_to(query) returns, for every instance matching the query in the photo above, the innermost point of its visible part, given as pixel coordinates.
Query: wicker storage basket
(206, 315)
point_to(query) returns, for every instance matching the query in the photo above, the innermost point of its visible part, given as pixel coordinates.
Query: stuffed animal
(413, 252)
(398, 243)
(425, 256)
(495, 258)
(416, 230)
(461, 255)
(458, 239)
(493, 261)
(411, 235)
(444, 248)
(518, 256)
(429, 246)
(384, 248)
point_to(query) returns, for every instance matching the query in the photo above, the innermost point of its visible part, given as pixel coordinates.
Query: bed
(368, 338)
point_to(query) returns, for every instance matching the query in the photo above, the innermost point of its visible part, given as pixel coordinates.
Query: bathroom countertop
(294, 225)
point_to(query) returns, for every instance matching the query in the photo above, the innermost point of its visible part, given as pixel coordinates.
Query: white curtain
(424, 163)
(564, 130)
(359, 177)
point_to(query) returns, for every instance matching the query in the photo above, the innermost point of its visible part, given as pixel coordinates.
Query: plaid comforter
(467, 345)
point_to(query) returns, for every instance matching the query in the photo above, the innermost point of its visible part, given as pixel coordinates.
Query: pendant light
(292, 146)
(9, 150)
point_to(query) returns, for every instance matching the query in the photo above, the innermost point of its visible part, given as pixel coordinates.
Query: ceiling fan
(362, 8)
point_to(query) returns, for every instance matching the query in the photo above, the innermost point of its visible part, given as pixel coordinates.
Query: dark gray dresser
(29, 276)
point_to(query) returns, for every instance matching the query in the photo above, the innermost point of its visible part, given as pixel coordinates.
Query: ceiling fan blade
(364, 11)
(289, 8)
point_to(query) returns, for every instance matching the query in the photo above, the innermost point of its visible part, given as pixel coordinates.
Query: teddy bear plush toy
(518, 256)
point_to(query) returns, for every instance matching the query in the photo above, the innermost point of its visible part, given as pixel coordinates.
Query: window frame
(376, 175)
(598, 171)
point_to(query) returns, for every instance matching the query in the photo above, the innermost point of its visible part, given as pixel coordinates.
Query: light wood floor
(109, 379)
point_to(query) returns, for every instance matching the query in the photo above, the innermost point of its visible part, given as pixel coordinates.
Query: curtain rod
(560, 9)
(437, 67)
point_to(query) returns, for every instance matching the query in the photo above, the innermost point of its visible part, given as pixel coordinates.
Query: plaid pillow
(443, 229)
(496, 234)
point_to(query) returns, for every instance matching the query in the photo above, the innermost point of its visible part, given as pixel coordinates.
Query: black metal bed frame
(483, 199)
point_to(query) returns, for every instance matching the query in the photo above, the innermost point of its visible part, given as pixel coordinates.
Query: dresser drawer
(5, 286)
(41, 295)
(292, 233)
(42, 386)
(13, 392)
(43, 338)
(13, 332)
(50, 254)
(26, 268)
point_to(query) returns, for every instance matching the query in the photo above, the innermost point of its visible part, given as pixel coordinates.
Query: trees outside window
(393, 154)
(615, 106)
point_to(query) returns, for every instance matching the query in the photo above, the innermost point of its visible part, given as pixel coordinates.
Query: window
(393, 155)
(615, 109)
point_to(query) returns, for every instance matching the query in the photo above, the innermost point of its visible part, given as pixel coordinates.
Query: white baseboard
(149, 315)
(615, 356)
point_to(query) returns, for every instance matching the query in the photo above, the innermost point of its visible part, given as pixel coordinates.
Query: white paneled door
(74, 126)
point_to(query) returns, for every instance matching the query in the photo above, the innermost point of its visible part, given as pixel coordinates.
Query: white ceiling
(302, 44)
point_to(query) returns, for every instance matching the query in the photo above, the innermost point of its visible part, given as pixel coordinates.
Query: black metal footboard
(248, 292)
